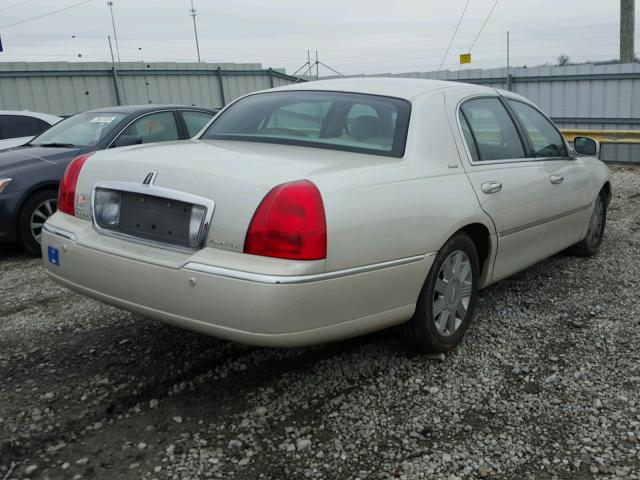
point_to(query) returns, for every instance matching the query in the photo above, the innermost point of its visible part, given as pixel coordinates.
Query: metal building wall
(64, 88)
(596, 97)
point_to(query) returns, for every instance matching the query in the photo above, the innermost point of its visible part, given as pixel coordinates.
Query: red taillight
(289, 223)
(67, 192)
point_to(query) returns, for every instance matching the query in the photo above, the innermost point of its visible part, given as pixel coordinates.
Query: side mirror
(586, 146)
(127, 140)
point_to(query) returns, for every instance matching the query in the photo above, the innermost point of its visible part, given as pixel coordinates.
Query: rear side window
(14, 126)
(546, 140)
(350, 122)
(492, 129)
(42, 126)
(468, 137)
(195, 121)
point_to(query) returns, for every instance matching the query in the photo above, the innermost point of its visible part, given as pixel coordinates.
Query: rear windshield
(340, 121)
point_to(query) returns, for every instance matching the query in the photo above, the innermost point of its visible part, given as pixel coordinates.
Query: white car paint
(17, 142)
(386, 220)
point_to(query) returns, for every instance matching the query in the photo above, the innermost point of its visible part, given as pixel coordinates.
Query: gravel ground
(545, 386)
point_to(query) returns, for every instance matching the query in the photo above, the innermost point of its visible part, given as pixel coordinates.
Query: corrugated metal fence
(64, 88)
(597, 97)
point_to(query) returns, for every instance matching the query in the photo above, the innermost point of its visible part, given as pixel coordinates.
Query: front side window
(546, 140)
(495, 135)
(156, 127)
(82, 130)
(335, 120)
(14, 126)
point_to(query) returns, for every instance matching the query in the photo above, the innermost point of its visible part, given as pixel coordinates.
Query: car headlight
(4, 183)
(107, 207)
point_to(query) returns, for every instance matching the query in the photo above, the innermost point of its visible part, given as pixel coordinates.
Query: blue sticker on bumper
(54, 256)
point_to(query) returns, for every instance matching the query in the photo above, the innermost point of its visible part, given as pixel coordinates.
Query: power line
(454, 35)
(45, 14)
(483, 25)
(481, 28)
(15, 5)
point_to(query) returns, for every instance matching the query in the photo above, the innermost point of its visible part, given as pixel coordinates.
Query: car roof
(138, 109)
(51, 119)
(407, 88)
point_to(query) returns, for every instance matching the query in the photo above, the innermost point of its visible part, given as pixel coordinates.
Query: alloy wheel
(594, 233)
(452, 293)
(40, 215)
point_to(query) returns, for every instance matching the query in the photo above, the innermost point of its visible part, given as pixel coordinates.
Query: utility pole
(193, 13)
(507, 52)
(113, 23)
(627, 31)
(115, 74)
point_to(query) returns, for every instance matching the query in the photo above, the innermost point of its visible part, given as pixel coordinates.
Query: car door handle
(556, 179)
(491, 187)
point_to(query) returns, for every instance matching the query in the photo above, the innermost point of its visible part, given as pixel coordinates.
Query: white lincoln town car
(329, 209)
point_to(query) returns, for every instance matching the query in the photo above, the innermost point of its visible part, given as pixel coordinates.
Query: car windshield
(82, 130)
(339, 121)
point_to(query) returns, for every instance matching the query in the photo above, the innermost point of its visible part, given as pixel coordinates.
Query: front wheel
(590, 245)
(447, 300)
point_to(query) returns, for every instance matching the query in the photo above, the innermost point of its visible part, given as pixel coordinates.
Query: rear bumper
(255, 307)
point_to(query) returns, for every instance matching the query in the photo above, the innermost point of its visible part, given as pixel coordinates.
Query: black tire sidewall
(593, 249)
(27, 242)
(423, 322)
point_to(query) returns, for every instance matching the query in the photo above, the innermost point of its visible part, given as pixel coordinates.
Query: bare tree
(564, 60)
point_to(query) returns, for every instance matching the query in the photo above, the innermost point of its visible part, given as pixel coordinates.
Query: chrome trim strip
(59, 232)
(297, 279)
(544, 220)
(157, 192)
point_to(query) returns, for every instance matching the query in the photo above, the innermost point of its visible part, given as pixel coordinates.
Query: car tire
(429, 331)
(590, 244)
(35, 211)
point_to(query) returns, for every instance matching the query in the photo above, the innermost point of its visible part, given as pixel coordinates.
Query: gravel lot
(545, 386)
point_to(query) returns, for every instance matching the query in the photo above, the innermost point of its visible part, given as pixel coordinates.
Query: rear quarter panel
(403, 208)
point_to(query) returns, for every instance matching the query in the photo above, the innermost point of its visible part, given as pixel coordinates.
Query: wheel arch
(481, 238)
(608, 192)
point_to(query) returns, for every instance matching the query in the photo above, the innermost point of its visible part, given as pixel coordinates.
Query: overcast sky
(352, 36)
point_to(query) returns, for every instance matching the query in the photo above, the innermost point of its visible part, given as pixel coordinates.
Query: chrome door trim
(297, 279)
(511, 231)
(156, 192)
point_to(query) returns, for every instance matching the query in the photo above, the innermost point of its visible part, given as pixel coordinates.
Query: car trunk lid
(234, 175)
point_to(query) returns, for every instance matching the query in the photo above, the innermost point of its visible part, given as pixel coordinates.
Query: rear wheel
(36, 210)
(447, 300)
(590, 245)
